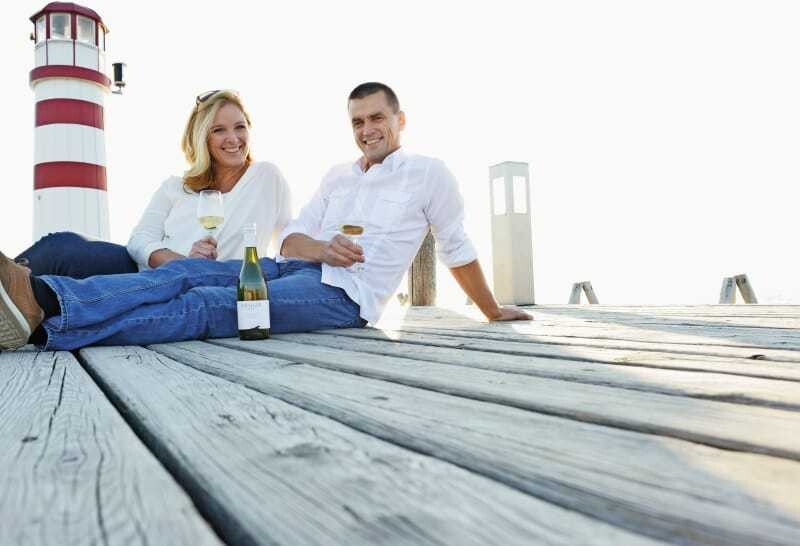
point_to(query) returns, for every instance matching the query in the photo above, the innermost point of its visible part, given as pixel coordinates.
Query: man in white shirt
(333, 283)
(396, 197)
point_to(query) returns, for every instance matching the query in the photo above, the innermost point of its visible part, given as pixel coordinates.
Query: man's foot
(20, 313)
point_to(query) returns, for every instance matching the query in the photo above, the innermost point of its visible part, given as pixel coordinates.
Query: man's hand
(341, 252)
(204, 248)
(510, 312)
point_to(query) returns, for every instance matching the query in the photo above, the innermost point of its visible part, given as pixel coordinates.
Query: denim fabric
(189, 299)
(70, 255)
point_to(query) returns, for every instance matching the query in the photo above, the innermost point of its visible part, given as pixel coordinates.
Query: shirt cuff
(144, 258)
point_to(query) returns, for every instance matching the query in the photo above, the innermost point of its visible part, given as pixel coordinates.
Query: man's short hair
(370, 88)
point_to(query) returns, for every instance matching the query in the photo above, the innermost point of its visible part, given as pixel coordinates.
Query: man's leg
(299, 302)
(88, 302)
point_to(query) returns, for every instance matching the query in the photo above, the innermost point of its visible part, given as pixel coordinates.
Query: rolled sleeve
(445, 213)
(308, 221)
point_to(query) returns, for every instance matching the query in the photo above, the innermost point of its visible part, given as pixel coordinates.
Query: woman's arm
(147, 238)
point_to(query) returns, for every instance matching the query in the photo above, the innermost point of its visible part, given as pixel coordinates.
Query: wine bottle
(252, 305)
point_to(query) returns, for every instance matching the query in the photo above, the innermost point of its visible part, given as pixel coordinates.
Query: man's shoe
(20, 313)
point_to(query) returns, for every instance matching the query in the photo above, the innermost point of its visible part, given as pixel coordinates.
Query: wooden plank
(708, 386)
(720, 424)
(269, 473)
(422, 275)
(665, 488)
(767, 364)
(72, 471)
(729, 337)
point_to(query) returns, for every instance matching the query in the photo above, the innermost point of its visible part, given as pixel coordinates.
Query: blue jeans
(189, 299)
(70, 255)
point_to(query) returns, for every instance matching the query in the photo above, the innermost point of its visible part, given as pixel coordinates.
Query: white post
(512, 235)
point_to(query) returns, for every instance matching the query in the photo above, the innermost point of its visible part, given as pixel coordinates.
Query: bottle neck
(250, 254)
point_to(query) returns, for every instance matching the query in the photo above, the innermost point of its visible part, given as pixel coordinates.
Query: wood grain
(269, 473)
(72, 471)
(665, 488)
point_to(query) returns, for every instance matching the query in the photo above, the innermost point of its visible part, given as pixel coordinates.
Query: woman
(216, 146)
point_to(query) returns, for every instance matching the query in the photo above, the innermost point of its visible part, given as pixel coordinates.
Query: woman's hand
(204, 248)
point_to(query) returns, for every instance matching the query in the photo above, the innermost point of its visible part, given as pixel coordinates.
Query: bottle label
(252, 314)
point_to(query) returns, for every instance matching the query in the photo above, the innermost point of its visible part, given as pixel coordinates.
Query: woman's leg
(70, 255)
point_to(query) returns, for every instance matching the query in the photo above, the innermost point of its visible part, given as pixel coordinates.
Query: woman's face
(228, 137)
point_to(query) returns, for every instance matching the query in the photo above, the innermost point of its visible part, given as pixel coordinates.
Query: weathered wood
(760, 363)
(746, 289)
(591, 297)
(72, 471)
(665, 488)
(422, 275)
(659, 332)
(727, 293)
(720, 424)
(270, 473)
(575, 293)
(708, 386)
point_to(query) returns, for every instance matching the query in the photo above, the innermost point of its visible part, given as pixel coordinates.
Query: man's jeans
(189, 299)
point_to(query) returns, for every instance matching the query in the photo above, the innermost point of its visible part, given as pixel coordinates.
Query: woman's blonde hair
(200, 175)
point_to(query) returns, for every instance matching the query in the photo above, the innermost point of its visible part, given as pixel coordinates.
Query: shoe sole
(14, 329)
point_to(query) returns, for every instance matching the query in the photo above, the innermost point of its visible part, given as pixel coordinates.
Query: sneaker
(20, 313)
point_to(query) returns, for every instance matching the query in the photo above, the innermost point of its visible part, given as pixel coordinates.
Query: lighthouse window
(59, 26)
(86, 30)
(41, 29)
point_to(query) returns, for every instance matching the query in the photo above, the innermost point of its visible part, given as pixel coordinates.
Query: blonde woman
(216, 144)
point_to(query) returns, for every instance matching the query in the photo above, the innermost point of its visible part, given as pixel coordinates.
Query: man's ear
(401, 119)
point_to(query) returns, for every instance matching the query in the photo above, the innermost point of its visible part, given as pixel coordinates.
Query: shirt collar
(391, 162)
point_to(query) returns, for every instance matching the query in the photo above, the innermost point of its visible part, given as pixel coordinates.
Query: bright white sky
(663, 137)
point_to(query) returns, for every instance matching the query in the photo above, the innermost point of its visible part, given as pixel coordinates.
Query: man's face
(376, 127)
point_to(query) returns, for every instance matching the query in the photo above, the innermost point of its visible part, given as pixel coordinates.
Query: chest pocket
(390, 206)
(339, 204)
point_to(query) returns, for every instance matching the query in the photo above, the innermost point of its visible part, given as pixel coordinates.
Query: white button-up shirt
(396, 201)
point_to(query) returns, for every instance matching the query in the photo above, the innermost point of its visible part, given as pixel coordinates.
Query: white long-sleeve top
(170, 220)
(397, 202)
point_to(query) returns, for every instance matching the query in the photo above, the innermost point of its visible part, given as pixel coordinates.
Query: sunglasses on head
(202, 97)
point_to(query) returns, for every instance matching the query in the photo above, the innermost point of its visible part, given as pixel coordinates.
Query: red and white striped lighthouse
(69, 82)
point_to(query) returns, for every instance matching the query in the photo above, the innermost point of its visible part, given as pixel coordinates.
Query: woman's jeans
(189, 299)
(70, 255)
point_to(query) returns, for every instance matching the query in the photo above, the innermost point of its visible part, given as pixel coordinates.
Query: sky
(662, 137)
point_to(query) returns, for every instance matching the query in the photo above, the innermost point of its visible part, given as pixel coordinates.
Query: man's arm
(338, 252)
(473, 283)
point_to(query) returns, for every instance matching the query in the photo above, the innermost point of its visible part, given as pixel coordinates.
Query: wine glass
(210, 211)
(353, 230)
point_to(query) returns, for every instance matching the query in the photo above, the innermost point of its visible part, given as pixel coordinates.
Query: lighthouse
(69, 84)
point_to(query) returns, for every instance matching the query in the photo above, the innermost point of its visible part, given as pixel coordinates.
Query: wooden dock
(591, 425)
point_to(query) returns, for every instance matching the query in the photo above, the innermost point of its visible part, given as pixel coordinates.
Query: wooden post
(746, 289)
(575, 295)
(586, 287)
(728, 292)
(591, 297)
(422, 276)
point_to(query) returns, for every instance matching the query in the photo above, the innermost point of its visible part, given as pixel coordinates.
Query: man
(395, 197)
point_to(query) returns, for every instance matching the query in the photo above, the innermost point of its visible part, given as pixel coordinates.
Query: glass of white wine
(353, 231)
(210, 211)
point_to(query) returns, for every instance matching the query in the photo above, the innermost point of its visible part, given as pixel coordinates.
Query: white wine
(211, 222)
(252, 305)
(351, 230)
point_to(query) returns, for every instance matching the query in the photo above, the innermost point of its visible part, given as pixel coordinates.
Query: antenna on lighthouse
(69, 84)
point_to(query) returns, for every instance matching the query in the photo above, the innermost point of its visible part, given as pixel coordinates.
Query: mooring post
(422, 275)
